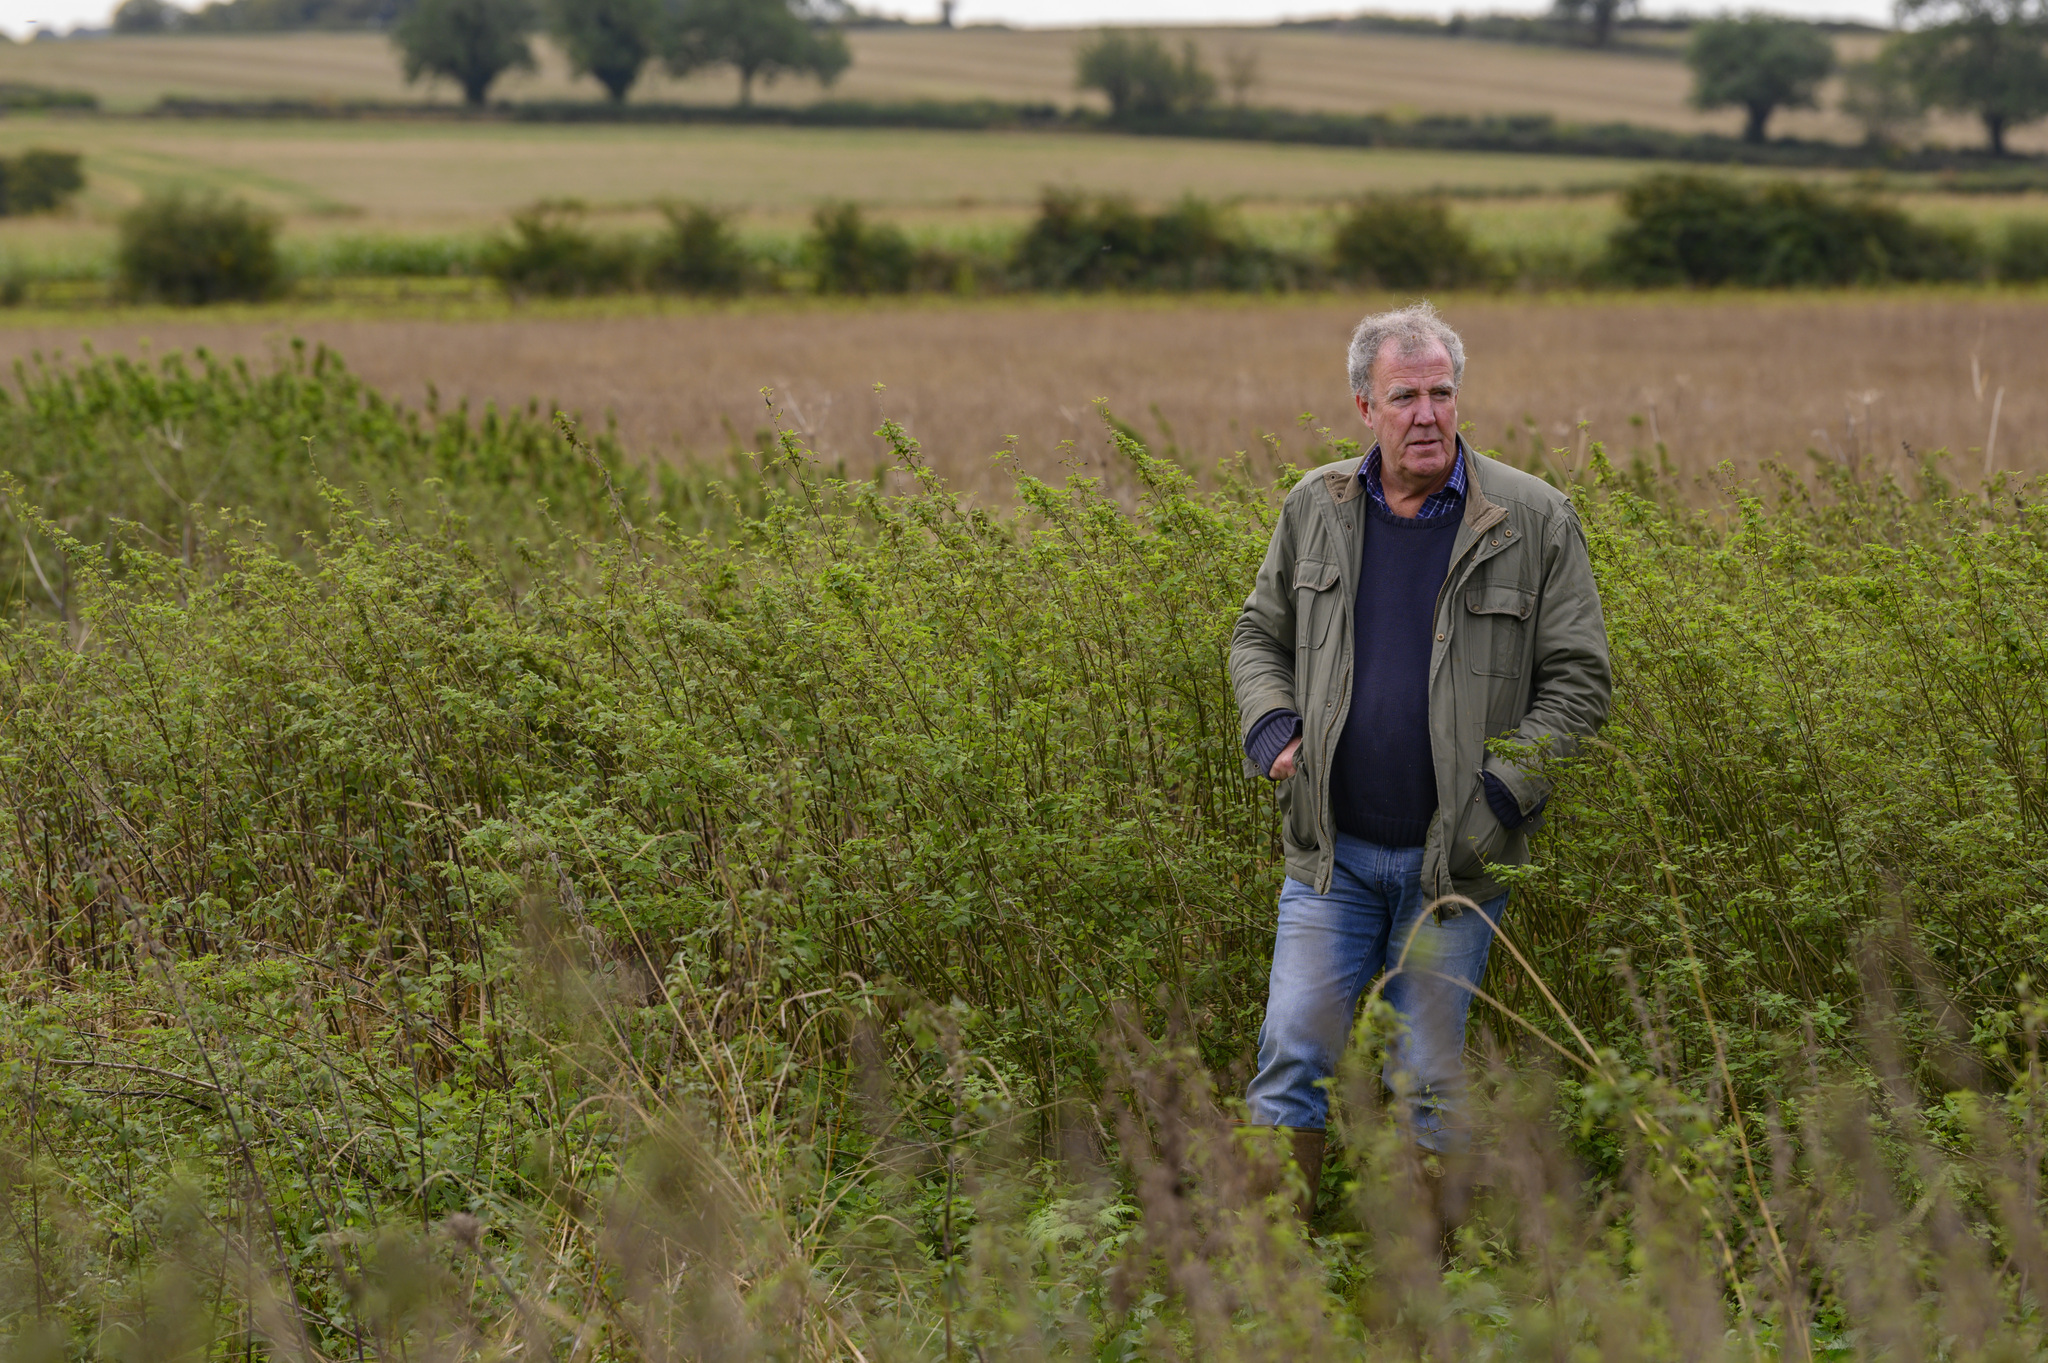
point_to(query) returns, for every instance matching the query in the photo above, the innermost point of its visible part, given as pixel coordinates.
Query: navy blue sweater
(1382, 780)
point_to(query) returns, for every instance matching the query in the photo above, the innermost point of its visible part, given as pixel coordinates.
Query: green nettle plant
(515, 907)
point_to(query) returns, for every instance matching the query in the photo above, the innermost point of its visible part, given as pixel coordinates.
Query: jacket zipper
(1327, 833)
(1471, 561)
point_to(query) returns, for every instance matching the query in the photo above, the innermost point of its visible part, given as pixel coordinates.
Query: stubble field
(427, 175)
(1733, 378)
(1303, 69)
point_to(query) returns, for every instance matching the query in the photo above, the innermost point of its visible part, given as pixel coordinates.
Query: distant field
(1350, 72)
(1735, 377)
(437, 176)
(374, 178)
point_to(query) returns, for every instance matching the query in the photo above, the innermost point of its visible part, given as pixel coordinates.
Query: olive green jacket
(1520, 654)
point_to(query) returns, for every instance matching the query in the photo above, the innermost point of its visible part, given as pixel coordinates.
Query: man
(1414, 603)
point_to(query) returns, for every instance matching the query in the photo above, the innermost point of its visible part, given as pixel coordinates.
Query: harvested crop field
(1298, 68)
(350, 176)
(1734, 378)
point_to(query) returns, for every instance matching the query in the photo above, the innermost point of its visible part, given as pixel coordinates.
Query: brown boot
(1448, 1180)
(1308, 1157)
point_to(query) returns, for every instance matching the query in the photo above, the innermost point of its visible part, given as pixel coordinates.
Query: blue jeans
(1328, 949)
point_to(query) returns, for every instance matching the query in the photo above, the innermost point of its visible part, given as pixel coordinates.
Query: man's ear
(1364, 407)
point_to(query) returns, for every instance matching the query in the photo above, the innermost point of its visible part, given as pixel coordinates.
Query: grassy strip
(1672, 231)
(1529, 134)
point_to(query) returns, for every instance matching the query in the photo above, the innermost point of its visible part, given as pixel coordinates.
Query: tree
(471, 42)
(764, 39)
(1240, 74)
(1761, 64)
(1599, 13)
(279, 16)
(146, 16)
(609, 39)
(1989, 59)
(1140, 77)
(1877, 95)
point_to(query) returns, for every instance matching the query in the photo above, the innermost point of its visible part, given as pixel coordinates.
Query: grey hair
(1412, 328)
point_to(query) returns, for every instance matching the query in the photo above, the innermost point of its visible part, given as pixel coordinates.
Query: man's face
(1413, 412)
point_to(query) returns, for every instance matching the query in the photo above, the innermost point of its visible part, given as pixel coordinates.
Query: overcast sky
(20, 16)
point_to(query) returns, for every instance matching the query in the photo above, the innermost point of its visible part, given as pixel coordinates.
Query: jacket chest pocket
(1315, 621)
(1315, 603)
(1497, 614)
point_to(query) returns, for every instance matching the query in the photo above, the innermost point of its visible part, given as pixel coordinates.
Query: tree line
(1985, 59)
(474, 42)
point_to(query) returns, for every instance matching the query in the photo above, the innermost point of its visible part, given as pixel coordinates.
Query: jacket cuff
(1270, 737)
(1503, 804)
(1528, 790)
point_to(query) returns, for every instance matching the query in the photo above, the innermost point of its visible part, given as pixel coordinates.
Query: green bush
(2023, 254)
(16, 94)
(38, 180)
(848, 254)
(190, 251)
(549, 252)
(1087, 242)
(1402, 242)
(1704, 229)
(700, 253)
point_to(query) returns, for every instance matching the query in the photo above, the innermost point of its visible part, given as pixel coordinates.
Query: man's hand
(1283, 765)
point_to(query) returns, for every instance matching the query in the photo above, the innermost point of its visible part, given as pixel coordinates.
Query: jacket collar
(1346, 480)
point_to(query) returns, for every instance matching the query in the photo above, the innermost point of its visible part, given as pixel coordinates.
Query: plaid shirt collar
(1446, 500)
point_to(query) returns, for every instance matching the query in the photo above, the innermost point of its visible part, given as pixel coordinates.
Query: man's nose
(1425, 412)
